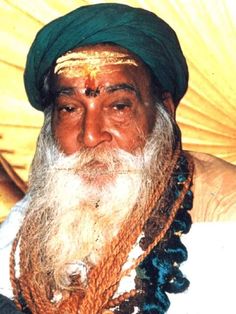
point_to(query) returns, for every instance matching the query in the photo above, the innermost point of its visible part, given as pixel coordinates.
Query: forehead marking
(90, 61)
(87, 64)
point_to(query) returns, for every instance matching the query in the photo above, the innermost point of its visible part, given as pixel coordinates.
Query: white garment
(211, 269)
(211, 266)
(8, 231)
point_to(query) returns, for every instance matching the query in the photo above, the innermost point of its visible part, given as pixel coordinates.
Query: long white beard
(74, 217)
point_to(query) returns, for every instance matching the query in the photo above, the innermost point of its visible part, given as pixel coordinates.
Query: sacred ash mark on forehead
(87, 64)
(92, 60)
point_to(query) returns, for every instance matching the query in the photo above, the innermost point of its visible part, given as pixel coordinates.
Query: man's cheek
(67, 141)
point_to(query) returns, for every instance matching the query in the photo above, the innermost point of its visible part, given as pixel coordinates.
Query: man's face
(102, 99)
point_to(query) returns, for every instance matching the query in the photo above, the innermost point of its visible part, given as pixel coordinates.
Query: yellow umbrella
(207, 32)
(12, 188)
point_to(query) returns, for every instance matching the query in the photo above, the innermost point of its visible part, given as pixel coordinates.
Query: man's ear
(169, 103)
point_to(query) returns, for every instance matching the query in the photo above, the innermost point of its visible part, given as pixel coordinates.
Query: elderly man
(110, 188)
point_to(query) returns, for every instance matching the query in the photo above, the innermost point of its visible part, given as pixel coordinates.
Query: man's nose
(94, 129)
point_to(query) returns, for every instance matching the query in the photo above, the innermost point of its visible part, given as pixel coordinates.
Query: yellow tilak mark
(92, 61)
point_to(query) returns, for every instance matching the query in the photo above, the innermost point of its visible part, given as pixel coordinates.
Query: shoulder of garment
(214, 188)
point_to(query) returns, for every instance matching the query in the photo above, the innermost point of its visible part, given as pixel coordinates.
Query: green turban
(137, 30)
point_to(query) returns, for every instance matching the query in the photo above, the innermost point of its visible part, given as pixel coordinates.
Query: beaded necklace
(159, 272)
(158, 269)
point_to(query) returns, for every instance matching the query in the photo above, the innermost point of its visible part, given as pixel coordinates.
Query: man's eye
(66, 108)
(121, 106)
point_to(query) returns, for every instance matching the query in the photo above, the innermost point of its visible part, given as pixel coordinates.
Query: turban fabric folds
(137, 30)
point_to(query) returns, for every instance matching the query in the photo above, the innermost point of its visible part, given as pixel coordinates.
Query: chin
(98, 180)
(97, 174)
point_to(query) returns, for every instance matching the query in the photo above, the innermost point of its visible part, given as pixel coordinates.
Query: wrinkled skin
(109, 105)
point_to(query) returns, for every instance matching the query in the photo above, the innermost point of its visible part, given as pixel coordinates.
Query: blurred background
(206, 115)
